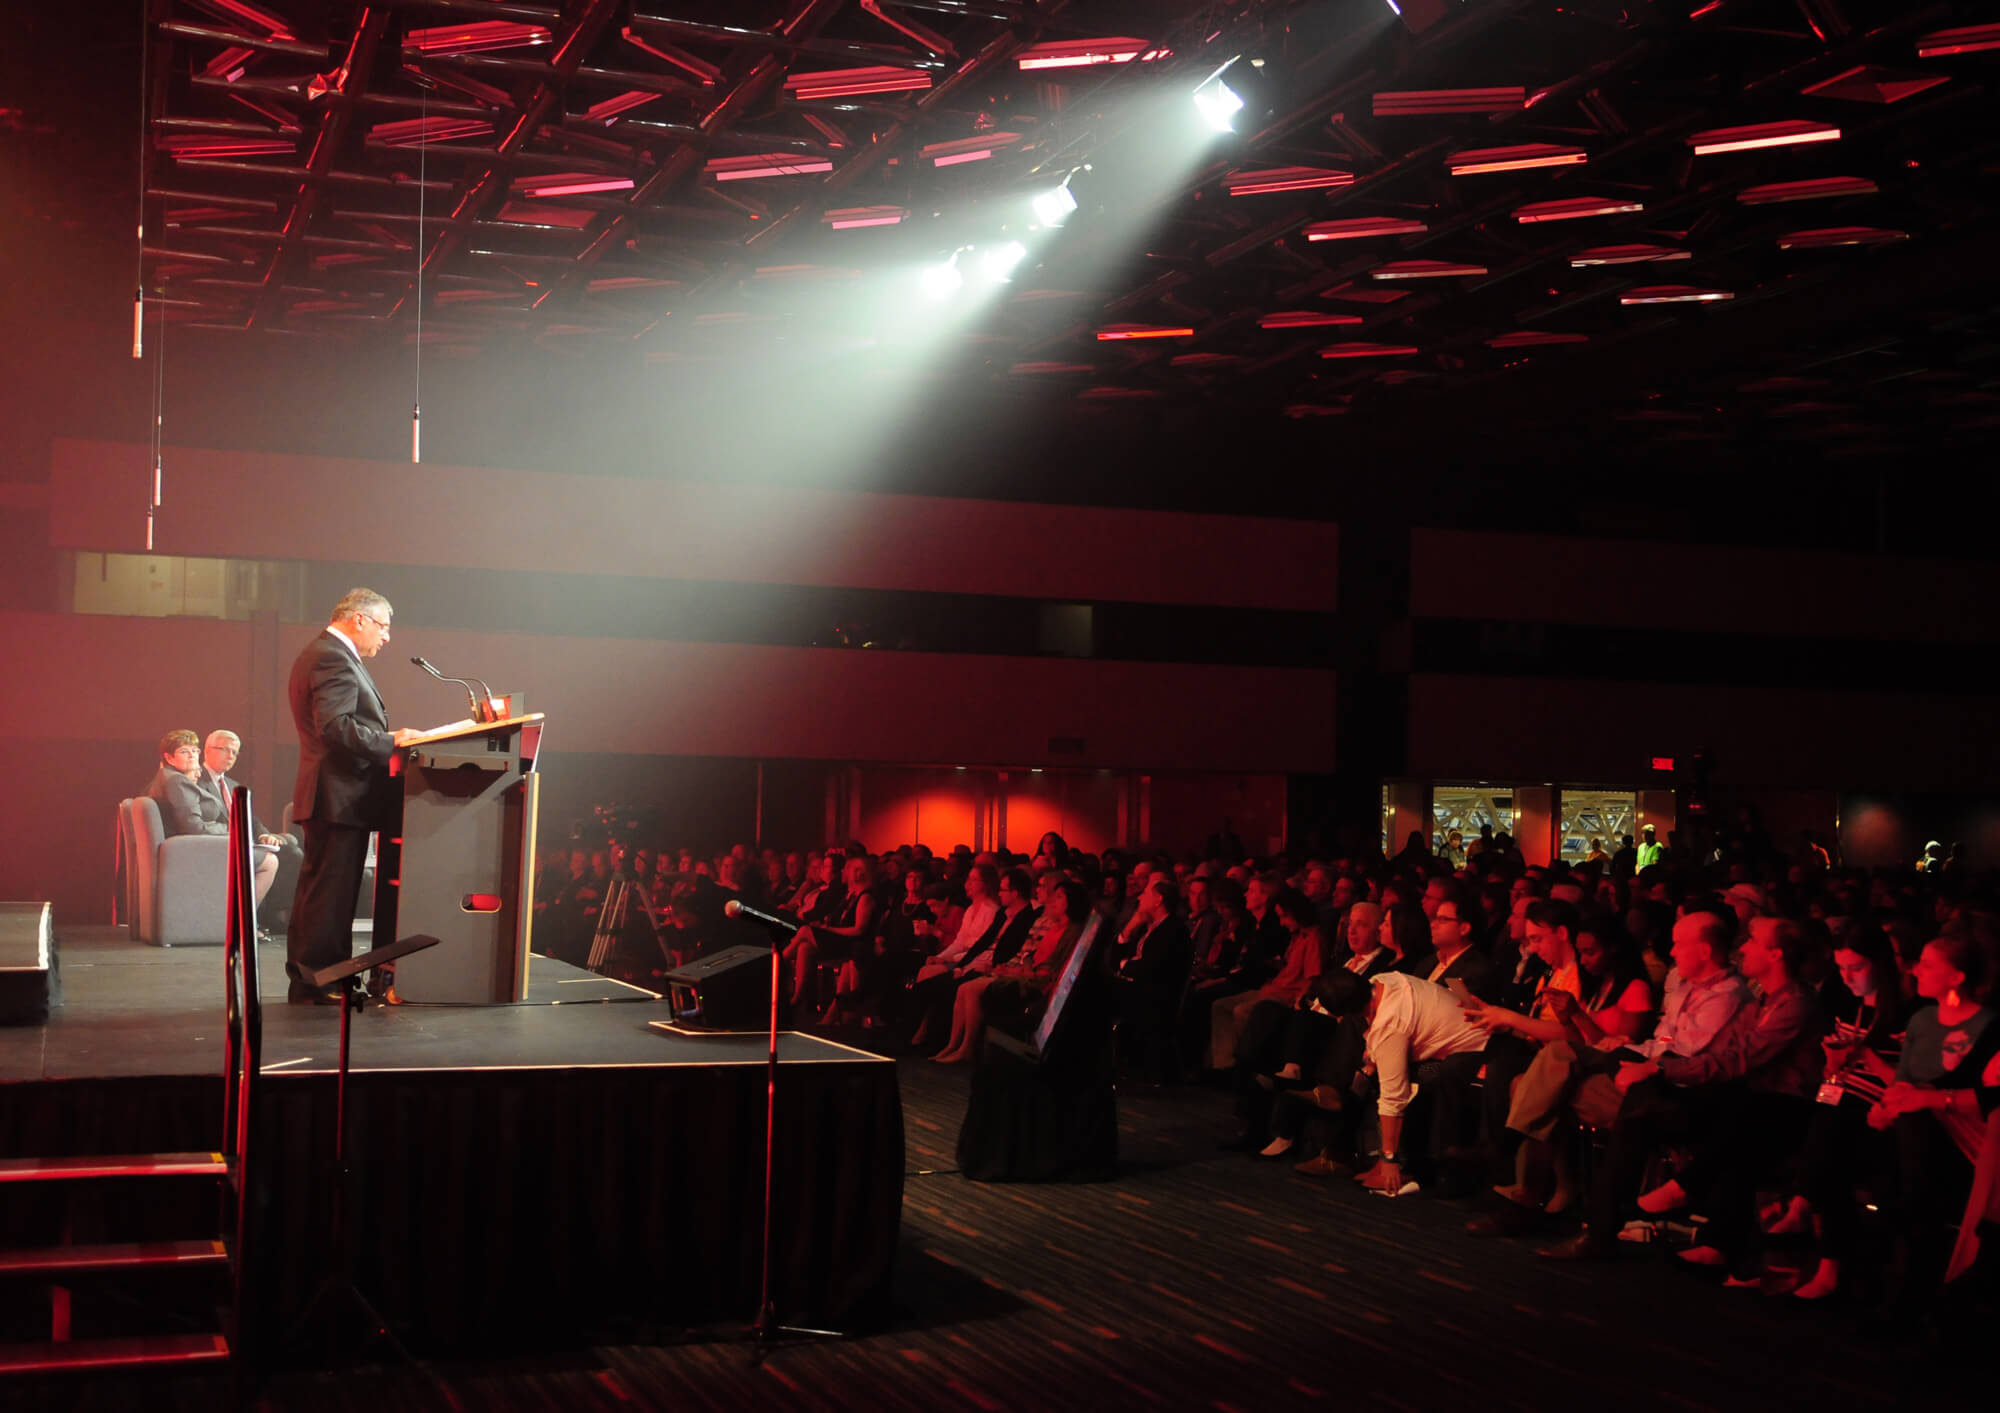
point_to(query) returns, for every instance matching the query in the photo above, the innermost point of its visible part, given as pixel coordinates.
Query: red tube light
(1413, 102)
(1306, 319)
(1831, 237)
(1754, 136)
(842, 83)
(1423, 270)
(1534, 338)
(1476, 160)
(1674, 294)
(619, 103)
(570, 184)
(1087, 53)
(1115, 333)
(1575, 208)
(408, 132)
(1367, 350)
(272, 25)
(1357, 227)
(1969, 39)
(1812, 190)
(478, 37)
(1626, 255)
(1285, 179)
(183, 145)
(765, 164)
(850, 218)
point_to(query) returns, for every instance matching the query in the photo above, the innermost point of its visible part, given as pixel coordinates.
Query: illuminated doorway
(1595, 815)
(1468, 807)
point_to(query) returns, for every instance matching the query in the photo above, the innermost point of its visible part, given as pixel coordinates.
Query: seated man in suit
(277, 874)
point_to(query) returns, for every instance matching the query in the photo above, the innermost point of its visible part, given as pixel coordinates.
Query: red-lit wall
(317, 508)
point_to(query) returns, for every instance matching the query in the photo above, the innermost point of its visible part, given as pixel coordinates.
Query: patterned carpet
(1197, 1280)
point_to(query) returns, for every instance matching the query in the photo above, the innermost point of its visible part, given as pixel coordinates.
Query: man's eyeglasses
(376, 621)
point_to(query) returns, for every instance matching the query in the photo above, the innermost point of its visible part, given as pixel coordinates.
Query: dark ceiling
(1846, 282)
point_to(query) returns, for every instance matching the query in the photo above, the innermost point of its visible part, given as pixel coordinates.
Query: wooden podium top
(473, 728)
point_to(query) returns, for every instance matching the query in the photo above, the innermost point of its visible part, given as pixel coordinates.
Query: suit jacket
(1478, 974)
(1161, 958)
(344, 740)
(185, 808)
(221, 798)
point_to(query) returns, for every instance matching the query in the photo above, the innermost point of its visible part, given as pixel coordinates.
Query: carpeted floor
(1197, 1280)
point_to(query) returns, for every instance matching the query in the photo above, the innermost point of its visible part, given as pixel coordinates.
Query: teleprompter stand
(337, 1294)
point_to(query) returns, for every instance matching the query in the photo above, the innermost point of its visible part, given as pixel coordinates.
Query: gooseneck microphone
(736, 907)
(479, 712)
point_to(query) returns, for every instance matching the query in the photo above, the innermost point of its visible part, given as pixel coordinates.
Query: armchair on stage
(461, 869)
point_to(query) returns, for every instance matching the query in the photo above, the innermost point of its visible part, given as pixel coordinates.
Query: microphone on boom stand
(735, 907)
(482, 700)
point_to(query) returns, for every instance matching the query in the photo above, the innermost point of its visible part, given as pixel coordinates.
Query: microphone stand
(482, 708)
(767, 1331)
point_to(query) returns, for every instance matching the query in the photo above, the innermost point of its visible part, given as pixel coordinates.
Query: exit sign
(1665, 763)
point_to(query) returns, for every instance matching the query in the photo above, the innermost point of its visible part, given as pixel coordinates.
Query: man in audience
(1409, 1021)
(1704, 993)
(1155, 955)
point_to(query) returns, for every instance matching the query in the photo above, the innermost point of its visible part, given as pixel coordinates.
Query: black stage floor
(131, 1009)
(524, 1172)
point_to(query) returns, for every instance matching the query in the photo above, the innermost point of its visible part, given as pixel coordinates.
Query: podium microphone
(735, 907)
(482, 710)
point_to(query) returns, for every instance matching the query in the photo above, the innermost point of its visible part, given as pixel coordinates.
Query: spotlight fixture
(1052, 207)
(997, 262)
(1217, 102)
(943, 280)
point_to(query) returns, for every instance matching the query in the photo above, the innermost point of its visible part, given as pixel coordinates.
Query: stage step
(147, 1351)
(113, 1165)
(124, 1256)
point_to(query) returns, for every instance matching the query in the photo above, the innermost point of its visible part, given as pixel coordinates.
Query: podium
(461, 867)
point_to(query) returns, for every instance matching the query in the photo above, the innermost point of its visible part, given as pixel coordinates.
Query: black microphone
(478, 713)
(736, 907)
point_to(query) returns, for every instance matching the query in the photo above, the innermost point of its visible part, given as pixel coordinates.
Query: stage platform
(527, 1174)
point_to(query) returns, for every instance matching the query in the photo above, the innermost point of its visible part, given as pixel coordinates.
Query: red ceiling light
(569, 184)
(1356, 227)
(843, 83)
(1086, 53)
(187, 145)
(1411, 103)
(1832, 237)
(408, 132)
(1970, 39)
(1285, 179)
(1674, 294)
(271, 24)
(553, 218)
(765, 164)
(1423, 270)
(1534, 338)
(612, 107)
(1367, 350)
(848, 218)
(1574, 208)
(1041, 366)
(1305, 319)
(1625, 255)
(476, 38)
(1116, 333)
(969, 149)
(1774, 192)
(1790, 133)
(1475, 160)
(1872, 83)
(228, 65)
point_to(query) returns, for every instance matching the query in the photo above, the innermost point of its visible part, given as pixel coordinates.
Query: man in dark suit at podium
(344, 791)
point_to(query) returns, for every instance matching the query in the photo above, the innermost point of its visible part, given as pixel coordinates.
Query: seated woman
(1840, 1149)
(1020, 986)
(991, 902)
(848, 932)
(1939, 1105)
(1596, 995)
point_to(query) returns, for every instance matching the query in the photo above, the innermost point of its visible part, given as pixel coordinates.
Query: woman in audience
(1016, 987)
(1869, 1017)
(1946, 1085)
(978, 928)
(848, 934)
(1051, 853)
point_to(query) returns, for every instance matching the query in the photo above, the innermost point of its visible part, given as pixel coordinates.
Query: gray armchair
(175, 891)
